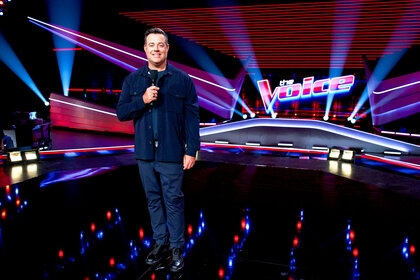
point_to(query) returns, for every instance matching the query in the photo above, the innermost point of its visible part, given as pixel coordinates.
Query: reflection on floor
(243, 222)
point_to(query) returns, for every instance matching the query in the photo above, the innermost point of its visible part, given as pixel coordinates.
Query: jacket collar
(144, 70)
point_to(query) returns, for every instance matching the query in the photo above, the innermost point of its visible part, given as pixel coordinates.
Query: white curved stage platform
(303, 134)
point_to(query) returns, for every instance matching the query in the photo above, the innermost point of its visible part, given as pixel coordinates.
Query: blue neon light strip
(312, 124)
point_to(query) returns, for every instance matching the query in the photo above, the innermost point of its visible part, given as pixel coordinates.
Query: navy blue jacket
(177, 111)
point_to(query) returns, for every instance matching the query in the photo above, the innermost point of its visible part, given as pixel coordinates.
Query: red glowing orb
(236, 238)
(355, 252)
(295, 241)
(221, 273)
(243, 224)
(412, 249)
(351, 235)
(111, 262)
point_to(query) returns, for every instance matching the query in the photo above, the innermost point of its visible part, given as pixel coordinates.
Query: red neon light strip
(94, 90)
(264, 148)
(290, 26)
(390, 161)
(84, 150)
(305, 48)
(197, 21)
(292, 35)
(214, 28)
(271, 11)
(341, 40)
(304, 66)
(259, 31)
(68, 49)
(391, 12)
(249, 31)
(319, 41)
(263, 8)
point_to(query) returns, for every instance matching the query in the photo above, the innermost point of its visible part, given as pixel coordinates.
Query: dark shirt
(154, 110)
(8, 143)
(177, 108)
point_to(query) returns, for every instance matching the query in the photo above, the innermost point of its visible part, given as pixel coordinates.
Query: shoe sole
(157, 261)
(177, 269)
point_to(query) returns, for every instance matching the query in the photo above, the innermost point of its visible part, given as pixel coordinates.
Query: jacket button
(150, 142)
(150, 126)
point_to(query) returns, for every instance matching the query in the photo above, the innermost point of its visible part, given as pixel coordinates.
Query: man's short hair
(155, 30)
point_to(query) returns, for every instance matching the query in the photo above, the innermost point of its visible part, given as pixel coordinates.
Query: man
(164, 107)
(6, 142)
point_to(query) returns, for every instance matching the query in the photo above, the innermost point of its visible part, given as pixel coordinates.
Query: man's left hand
(189, 162)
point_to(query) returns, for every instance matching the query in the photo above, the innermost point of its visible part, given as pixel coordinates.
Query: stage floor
(249, 216)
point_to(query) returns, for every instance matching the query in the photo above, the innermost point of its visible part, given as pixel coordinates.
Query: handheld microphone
(153, 75)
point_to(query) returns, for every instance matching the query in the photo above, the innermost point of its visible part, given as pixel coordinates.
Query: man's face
(156, 50)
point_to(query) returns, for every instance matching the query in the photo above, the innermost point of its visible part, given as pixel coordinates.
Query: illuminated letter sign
(307, 89)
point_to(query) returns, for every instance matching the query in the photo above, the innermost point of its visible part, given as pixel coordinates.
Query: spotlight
(353, 121)
(14, 157)
(334, 154)
(22, 156)
(31, 155)
(244, 116)
(252, 115)
(274, 115)
(325, 118)
(348, 155)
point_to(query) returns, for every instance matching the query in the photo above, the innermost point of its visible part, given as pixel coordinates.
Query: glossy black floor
(243, 222)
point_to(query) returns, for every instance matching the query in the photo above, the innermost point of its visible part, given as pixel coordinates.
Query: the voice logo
(307, 89)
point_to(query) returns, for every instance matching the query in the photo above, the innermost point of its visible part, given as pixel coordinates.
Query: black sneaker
(177, 262)
(157, 254)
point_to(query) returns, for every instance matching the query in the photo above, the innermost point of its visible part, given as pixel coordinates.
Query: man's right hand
(150, 95)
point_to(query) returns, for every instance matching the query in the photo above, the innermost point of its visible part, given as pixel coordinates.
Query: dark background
(34, 47)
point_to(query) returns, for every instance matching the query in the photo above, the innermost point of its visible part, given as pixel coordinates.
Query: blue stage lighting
(8, 57)
(385, 63)
(341, 44)
(65, 13)
(243, 104)
(245, 42)
(200, 56)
